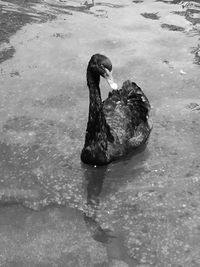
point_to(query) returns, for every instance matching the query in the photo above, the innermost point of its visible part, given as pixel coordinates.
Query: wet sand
(140, 211)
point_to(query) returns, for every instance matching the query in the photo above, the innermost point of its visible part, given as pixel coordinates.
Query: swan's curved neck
(96, 116)
(94, 91)
(97, 126)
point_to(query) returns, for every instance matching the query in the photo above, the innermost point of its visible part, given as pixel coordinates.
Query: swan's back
(126, 111)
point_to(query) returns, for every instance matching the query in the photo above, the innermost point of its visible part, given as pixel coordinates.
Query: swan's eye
(102, 67)
(103, 71)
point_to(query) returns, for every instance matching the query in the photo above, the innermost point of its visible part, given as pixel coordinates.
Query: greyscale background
(146, 211)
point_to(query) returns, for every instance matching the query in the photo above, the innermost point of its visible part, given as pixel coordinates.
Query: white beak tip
(113, 86)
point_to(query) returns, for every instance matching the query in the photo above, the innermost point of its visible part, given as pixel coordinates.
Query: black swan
(117, 125)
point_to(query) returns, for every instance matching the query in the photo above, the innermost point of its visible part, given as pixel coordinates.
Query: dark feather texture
(117, 125)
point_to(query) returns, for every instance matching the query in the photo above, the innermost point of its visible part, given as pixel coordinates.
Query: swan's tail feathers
(136, 99)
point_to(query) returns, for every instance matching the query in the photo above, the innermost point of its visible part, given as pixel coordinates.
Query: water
(140, 211)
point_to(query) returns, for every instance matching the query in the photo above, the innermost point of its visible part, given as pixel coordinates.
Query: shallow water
(140, 211)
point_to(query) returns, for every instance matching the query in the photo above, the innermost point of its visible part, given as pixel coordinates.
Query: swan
(117, 125)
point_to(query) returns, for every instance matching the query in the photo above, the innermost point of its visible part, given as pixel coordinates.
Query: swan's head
(101, 65)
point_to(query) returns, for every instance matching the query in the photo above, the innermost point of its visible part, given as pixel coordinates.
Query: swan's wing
(125, 110)
(137, 102)
(118, 116)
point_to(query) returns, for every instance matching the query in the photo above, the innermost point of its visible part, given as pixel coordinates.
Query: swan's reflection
(94, 179)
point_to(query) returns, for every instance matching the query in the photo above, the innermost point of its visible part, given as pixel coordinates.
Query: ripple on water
(153, 16)
(172, 27)
(36, 171)
(151, 204)
(14, 15)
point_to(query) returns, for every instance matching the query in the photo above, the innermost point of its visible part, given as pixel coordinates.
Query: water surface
(140, 211)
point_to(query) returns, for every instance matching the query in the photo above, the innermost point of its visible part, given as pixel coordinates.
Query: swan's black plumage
(117, 125)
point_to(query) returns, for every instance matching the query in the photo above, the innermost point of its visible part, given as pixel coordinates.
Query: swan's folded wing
(136, 100)
(134, 92)
(125, 110)
(119, 118)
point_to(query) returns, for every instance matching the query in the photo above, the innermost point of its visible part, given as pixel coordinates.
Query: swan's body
(117, 125)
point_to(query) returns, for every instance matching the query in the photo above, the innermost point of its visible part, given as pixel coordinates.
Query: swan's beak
(110, 80)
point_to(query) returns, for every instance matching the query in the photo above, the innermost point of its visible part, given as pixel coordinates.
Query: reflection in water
(95, 178)
(116, 250)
